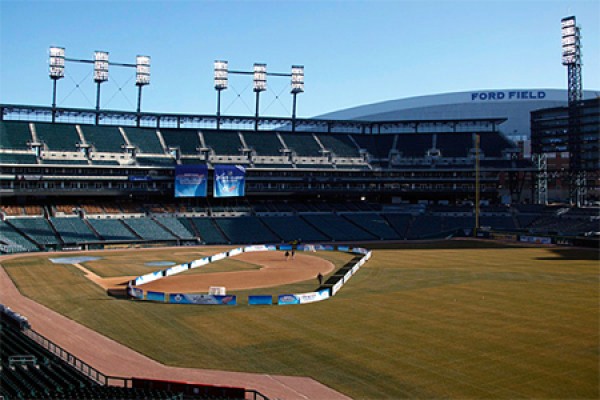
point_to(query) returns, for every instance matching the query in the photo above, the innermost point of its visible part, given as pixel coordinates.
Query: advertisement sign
(260, 300)
(136, 293)
(336, 288)
(311, 297)
(200, 262)
(203, 299)
(536, 239)
(140, 280)
(285, 299)
(347, 276)
(261, 247)
(155, 296)
(229, 181)
(343, 248)
(235, 252)
(190, 180)
(176, 269)
(218, 257)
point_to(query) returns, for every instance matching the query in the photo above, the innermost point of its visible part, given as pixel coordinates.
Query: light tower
(221, 81)
(260, 85)
(57, 71)
(100, 76)
(297, 87)
(571, 58)
(142, 78)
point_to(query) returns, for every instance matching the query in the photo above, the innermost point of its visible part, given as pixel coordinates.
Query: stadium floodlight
(221, 74)
(100, 66)
(297, 87)
(260, 85)
(570, 41)
(260, 77)
(56, 67)
(57, 62)
(297, 78)
(142, 70)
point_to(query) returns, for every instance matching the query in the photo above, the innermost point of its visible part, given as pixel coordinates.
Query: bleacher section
(337, 228)
(73, 230)
(426, 227)
(246, 230)
(112, 230)
(15, 135)
(374, 224)
(264, 143)
(302, 143)
(208, 232)
(176, 227)
(223, 142)
(145, 140)
(38, 230)
(12, 241)
(399, 222)
(58, 137)
(147, 229)
(290, 228)
(378, 147)
(186, 140)
(340, 145)
(103, 138)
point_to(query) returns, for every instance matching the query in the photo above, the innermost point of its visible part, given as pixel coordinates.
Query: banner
(229, 181)
(190, 180)
(285, 299)
(536, 239)
(155, 296)
(205, 299)
(254, 300)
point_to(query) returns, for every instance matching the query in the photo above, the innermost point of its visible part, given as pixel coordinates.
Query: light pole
(260, 85)
(221, 80)
(142, 78)
(57, 71)
(297, 87)
(100, 76)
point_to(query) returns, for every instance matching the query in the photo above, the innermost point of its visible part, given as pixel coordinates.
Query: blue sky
(354, 52)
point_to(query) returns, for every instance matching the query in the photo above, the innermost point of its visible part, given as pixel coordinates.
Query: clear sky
(354, 52)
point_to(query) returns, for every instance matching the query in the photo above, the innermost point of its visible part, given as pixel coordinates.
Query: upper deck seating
(58, 137)
(302, 143)
(18, 158)
(264, 143)
(223, 142)
(340, 145)
(103, 138)
(145, 139)
(378, 146)
(414, 145)
(493, 143)
(455, 144)
(186, 140)
(15, 135)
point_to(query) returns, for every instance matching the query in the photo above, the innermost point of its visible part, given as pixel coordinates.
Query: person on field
(287, 255)
(320, 278)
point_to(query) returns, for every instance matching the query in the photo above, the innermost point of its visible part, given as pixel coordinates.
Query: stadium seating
(399, 222)
(186, 140)
(339, 145)
(15, 135)
(377, 146)
(156, 161)
(492, 144)
(264, 143)
(38, 229)
(291, 228)
(223, 142)
(454, 144)
(374, 224)
(146, 140)
(498, 222)
(58, 137)
(176, 227)
(147, 229)
(302, 143)
(112, 230)
(246, 230)
(426, 227)
(13, 241)
(337, 228)
(73, 230)
(208, 232)
(103, 138)
(414, 145)
(18, 158)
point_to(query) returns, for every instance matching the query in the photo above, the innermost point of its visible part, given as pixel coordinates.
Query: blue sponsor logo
(510, 95)
(288, 299)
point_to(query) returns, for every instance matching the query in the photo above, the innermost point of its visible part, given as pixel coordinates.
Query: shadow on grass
(572, 254)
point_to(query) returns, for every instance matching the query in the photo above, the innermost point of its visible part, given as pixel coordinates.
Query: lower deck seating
(176, 227)
(73, 230)
(147, 229)
(208, 232)
(13, 241)
(246, 230)
(293, 228)
(374, 224)
(112, 229)
(337, 228)
(37, 229)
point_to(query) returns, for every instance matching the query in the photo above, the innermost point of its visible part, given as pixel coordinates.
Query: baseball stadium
(405, 249)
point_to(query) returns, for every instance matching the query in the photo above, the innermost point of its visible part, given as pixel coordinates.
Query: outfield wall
(323, 293)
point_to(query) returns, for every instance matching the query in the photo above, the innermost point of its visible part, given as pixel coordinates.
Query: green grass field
(413, 323)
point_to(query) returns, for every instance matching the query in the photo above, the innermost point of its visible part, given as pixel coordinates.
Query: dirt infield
(114, 359)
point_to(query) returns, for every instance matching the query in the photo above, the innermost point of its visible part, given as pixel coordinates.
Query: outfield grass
(413, 323)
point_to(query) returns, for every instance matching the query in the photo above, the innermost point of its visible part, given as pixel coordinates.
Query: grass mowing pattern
(420, 323)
